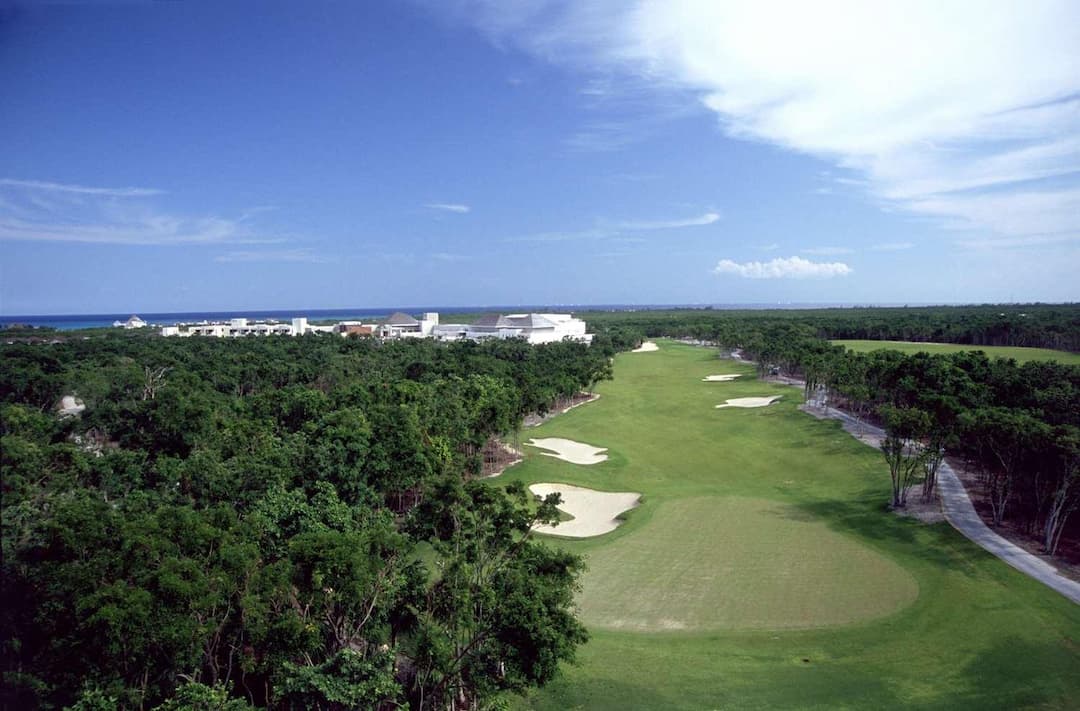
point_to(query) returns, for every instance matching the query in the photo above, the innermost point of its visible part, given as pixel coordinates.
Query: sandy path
(749, 402)
(568, 450)
(720, 378)
(594, 511)
(646, 347)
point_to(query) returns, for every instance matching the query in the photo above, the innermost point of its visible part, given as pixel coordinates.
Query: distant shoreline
(71, 322)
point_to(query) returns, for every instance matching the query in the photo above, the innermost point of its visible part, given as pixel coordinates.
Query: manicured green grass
(713, 563)
(1022, 355)
(764, 536)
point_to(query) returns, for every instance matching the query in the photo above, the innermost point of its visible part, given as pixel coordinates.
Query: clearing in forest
(763, 570)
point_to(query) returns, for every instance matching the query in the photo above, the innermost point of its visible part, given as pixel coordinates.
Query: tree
(498, 615)
(902, 427)
(1002, 438)
(936, 440)
(1066, 497)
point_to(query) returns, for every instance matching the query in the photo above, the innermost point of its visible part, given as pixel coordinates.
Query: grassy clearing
(978, 635)
(1021, 355)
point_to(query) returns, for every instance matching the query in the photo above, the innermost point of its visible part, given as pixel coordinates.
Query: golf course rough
(762, 569)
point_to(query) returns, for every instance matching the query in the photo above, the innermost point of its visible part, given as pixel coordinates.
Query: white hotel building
(534, 328)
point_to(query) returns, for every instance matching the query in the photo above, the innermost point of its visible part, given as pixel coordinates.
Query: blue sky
(192, 156)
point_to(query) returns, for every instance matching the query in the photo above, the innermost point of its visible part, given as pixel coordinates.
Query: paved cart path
(960, 512)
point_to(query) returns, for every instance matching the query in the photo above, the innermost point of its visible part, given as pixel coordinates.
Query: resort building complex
(534, 328)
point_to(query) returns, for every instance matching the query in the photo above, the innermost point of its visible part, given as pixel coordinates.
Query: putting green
(722, 563)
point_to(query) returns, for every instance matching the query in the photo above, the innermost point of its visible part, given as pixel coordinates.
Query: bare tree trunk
(1064, 503)
(152, 380)
(933, 456)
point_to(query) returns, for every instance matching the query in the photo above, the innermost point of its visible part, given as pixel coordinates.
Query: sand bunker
(749, 402)
(720, 378)
(646, 347)
(569, 451)
(594, 512)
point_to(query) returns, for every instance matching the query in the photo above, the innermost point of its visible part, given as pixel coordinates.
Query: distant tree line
(279, 522)
(1031, 325)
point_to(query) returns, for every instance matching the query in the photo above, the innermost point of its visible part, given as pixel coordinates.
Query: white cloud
(954, 110)
(302, 254)
(449, 207)
(615, 230)
(827, 251)
(35, 211)
(780, 268)
(707, 219)
(450, 257)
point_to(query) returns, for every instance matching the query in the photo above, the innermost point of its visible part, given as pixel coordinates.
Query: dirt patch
(70, 406)
(496, 457)
(918, 508)
(560, 408)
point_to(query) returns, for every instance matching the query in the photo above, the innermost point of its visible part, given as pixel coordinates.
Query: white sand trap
(569, 451)
(594, 511)
(646, 347)
(720, 378)
(750, 402)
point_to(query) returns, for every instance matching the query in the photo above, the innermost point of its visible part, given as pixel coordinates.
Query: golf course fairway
(1018, 353)
(762, 569)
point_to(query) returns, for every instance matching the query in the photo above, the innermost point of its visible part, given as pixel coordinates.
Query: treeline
(1017, 426)
(279, 523)
(1031, 325)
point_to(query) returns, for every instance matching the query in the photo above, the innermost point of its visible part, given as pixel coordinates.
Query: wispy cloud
(449, 207)
(892, 246)
(827, 251)
(40, 185)
(707, 219)
(780, 268)
(617, 230)
(450, 257)
(981, 117)
(37, 211)
(301, 254)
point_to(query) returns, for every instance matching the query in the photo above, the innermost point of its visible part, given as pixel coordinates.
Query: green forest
(283, 523)
(1055, 326)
